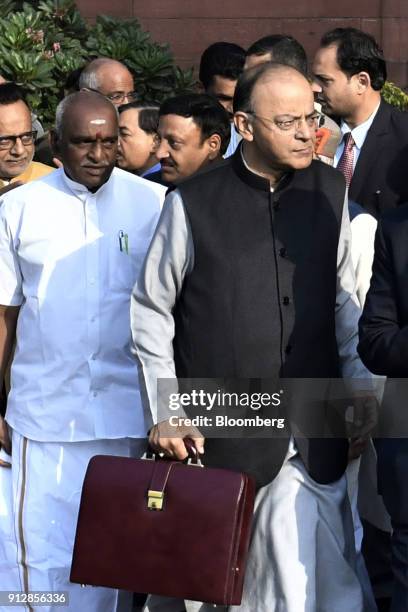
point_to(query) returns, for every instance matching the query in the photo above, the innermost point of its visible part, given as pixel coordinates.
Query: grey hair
(59, 115)
(89, 78)
(70, 99)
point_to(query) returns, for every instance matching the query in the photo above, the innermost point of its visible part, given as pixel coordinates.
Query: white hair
(59, 114)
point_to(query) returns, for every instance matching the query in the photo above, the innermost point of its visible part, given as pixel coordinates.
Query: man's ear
(243, 125)
(214, 144)
(200, 87)
(363, 81)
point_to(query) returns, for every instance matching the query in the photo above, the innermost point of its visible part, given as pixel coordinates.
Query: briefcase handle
(161, 473)
(192, 459)
(193, 456)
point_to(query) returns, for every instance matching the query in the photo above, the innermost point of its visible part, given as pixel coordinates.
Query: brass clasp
(155, 500)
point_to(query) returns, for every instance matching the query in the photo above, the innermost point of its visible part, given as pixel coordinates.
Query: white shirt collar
(79, 189)
(359, 133)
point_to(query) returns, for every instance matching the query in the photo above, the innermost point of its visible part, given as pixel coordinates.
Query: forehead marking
(98, 121)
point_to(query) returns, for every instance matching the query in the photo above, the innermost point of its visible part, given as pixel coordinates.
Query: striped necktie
(346, 160)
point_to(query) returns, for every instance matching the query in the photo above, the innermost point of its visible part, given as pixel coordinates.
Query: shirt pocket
(125, 264)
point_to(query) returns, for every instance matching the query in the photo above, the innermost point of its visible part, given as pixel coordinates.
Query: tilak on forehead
(98, 122)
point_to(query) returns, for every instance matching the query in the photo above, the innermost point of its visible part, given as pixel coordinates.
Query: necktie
(346, 160)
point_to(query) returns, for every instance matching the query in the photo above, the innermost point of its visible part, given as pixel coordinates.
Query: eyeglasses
(117, 97)
(290, 125)
(26, 139)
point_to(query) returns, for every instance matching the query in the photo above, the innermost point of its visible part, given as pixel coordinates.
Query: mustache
(166, 164)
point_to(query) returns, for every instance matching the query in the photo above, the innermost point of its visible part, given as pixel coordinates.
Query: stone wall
(189, 26)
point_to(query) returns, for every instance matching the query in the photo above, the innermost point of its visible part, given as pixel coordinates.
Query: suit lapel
(370, 150)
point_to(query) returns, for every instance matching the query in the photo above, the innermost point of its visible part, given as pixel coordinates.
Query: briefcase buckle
(145, 457)
(155, 500)
(195, 462)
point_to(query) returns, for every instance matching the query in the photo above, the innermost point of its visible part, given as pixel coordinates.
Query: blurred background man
(279, 48)
(17, 139)
(349, 72)
(110, 78)
(220, 66)
(138, 138)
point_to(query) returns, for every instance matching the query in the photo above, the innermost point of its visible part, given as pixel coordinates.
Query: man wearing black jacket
(383, 348)
(249, 277)
(349, 72)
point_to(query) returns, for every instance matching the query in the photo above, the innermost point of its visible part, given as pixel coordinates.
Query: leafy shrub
(395, 96)
(42, 42)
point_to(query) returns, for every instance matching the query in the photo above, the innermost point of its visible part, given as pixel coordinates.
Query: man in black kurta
(249, 276)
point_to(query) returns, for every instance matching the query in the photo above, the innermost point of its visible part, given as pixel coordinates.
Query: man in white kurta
(71, 245)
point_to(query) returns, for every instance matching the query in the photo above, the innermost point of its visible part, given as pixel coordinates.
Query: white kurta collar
(79, 189)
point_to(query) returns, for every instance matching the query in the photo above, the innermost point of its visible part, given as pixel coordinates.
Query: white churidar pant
(302, 555)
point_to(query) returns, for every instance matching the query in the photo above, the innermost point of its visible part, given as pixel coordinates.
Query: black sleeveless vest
(260, 300)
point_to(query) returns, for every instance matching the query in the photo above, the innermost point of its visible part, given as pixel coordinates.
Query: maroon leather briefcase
(165, 528)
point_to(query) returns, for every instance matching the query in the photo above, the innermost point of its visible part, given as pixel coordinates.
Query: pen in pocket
(123, 242)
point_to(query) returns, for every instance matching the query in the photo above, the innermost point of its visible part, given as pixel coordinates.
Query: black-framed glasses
(291, 124)
(9, 141)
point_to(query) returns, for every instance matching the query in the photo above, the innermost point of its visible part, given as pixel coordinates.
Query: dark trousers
(393, 485)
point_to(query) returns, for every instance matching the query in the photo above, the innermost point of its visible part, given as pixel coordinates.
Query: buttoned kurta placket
(92, 305)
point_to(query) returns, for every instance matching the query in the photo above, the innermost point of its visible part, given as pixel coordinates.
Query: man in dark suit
(383, 348)
(349, 72)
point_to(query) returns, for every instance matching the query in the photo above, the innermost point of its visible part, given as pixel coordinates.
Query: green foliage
(42, 42)
(184, 81)
(152, 64)
(6, 7)
(154, 74)
(395, 96)
(115, 38)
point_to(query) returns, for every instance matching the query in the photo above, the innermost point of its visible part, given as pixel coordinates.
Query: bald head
(283, 84)
(269, 75)
(86, 138)
(111, 78)
(89, 103)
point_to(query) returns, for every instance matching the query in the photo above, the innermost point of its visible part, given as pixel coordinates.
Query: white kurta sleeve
(11, 293)
(363, 228)
(169, 259)
(348, 310)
